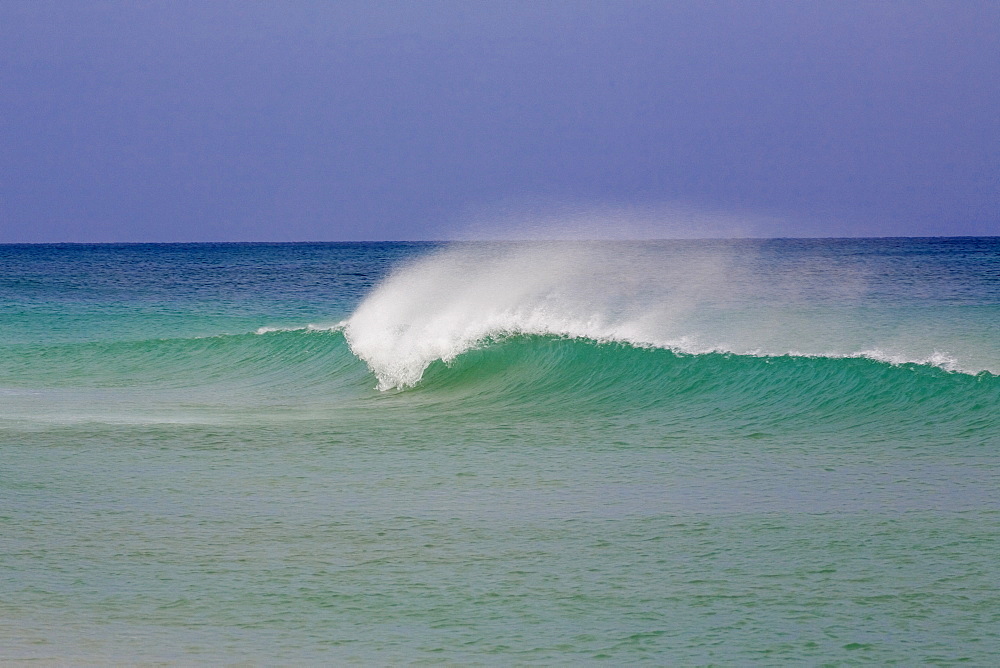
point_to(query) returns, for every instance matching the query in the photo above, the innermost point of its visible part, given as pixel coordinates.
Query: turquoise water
(749, 452)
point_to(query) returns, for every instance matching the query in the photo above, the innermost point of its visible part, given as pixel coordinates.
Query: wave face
(716, 393)
(312, 373)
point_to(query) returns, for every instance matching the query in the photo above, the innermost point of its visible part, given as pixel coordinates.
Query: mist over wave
(691, 298)
(440, 307)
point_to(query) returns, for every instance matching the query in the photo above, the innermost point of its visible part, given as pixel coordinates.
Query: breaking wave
(572, 330)
(714, 302)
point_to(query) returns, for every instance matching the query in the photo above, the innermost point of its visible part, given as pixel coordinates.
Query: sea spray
(459, 298)
(695, 299)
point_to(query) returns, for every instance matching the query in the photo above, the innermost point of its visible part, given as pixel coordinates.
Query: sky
(300, 120)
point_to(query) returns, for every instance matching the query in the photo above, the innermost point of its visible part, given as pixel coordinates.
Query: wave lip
(274, 329)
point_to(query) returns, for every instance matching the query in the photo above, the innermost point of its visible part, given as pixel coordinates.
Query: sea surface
(570, 453)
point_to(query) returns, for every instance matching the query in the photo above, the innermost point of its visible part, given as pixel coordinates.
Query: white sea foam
(307, 328)
(939, 359)
(446, 304)
(688, 299)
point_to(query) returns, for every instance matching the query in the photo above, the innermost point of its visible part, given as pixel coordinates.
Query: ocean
(501, 453)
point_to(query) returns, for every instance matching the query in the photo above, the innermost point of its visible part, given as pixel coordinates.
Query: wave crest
(691, 301)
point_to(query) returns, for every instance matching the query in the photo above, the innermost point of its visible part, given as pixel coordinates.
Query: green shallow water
(312, 543)
(178, 488)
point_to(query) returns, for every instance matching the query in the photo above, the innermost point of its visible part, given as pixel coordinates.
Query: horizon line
(489, 240)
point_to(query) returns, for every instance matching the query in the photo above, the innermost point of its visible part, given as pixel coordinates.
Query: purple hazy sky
(208, 120)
